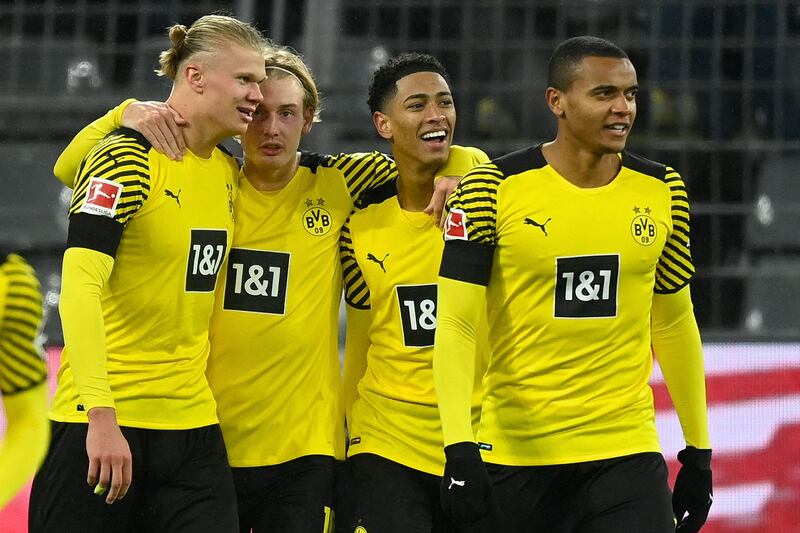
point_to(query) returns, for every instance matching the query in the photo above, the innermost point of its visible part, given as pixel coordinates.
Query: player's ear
(382, 124)
(555, 101)
(193, 75)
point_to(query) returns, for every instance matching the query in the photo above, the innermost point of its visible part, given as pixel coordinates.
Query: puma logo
(171, 194)
(454, 481)
(374, 259)
(540, 226)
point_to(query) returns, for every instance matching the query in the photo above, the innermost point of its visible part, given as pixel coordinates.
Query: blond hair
(208, 34)
(281, 62)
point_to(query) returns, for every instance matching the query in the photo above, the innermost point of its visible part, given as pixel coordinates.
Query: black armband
(467, 261)
(98, 233)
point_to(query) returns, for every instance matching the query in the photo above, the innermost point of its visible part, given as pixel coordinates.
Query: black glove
(466, 487)
(693, 494)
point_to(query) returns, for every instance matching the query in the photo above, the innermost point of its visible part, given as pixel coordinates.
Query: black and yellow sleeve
(22, 366)
(356, 292)
(675, 268)
(113, 183)
(470, 230)
(23, 374)
(362, 171)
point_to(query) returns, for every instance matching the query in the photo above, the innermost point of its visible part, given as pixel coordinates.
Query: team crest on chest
(317, 220)
(230, 200)
(643, 227)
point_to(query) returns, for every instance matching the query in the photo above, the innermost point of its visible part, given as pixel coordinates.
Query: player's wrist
(462, 450)
(696, 458)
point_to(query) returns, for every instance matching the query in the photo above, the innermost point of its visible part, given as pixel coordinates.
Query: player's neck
(414, 185)
(581, 167)
(200, 138)
(268, 179)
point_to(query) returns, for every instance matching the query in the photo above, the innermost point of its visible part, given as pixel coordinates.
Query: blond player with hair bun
(136, 439)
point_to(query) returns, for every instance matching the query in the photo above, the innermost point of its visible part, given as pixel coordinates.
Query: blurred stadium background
(720, 101)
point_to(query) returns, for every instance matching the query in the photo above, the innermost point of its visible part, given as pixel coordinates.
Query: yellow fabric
(274, 364)
(461, 160)
(395, 414)
(67, 164)
(355, 351)
(25, 442)
(677, 346)
(569, 299)
(22, 376)
(457, 330)
(85, 274)
(178, 224)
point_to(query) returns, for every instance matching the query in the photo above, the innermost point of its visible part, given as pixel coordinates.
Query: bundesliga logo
(102, 197)
(456, 226)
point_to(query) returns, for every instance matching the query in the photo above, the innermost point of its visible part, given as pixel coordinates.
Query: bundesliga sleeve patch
(456, 226)
(102, 197)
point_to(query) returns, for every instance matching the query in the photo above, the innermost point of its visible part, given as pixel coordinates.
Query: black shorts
(291, 497)
(621, 495)
(389, 497)
(181, 483)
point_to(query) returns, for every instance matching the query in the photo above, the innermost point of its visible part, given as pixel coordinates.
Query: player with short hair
(390, 256)
(580, 249)
(23, 375)
(133, 413)
(274, 366)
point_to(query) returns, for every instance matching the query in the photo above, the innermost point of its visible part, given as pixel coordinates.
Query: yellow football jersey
(274, 365)
(569, 293)
(391, 262)
(176, 225)
(21, 363)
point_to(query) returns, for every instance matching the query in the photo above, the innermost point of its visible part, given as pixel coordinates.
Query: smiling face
(230, 88)
(272, 140)
(597, 111)
(419, 120)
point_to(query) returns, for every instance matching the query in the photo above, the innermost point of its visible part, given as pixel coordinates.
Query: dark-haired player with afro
(390, 257)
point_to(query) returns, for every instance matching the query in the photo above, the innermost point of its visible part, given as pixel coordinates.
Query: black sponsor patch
(586, 286)
(206, 255)
(418, 313)
(257, 281)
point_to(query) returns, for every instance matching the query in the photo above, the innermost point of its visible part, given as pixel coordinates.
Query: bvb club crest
(643, 227)
(317, 220)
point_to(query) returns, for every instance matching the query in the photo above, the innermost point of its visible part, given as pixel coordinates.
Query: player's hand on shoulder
(466, 488)
(693, 492)
(160, 124)
(443, 187)
(110, 461)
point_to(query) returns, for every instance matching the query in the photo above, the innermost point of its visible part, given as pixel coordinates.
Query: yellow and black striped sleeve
(362, 171)
(356, 292)
(468, 253)
(22, 366)
(113, 182)
(675, 268)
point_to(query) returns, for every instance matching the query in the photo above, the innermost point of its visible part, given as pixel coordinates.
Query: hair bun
(177, 36)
